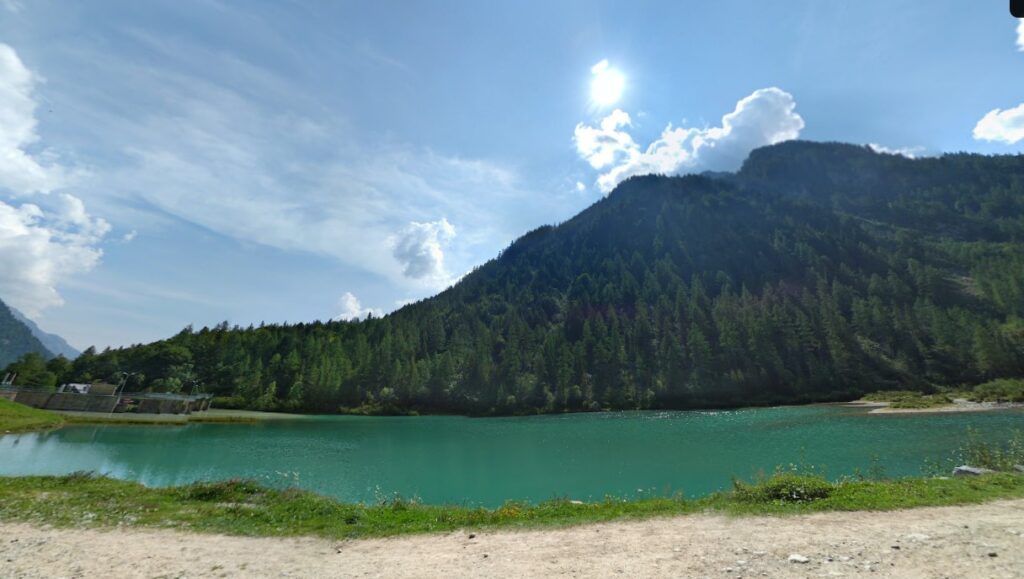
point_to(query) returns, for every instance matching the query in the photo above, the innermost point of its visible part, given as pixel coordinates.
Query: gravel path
(974, 541)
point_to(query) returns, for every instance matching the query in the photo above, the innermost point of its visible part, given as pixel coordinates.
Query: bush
(1003, 390)
(784, 488)
(228, 491)
(229, 403)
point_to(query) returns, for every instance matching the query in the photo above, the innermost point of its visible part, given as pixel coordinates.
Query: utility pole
(119, 389)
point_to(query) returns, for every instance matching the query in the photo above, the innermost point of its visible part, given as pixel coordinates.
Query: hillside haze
(818, 272)
(54, 344)
(17, 338)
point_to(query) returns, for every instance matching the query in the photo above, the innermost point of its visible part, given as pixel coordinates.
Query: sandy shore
(958, 405)
(973, 541)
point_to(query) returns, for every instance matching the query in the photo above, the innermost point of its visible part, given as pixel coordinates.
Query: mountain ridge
(16, 338)
(817, 272)
(53, 343)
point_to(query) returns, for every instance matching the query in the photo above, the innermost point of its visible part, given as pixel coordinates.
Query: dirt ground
(985, 541)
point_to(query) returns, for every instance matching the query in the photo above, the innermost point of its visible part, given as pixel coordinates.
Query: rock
(472, 536)
(1018, 467)
(993, 554)
(796, 558)
(970, 471)
(575, 502)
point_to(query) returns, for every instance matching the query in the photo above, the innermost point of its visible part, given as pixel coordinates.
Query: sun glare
(606, 87)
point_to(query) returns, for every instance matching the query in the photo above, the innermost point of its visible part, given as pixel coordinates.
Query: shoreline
(958, 405)
(212, 416)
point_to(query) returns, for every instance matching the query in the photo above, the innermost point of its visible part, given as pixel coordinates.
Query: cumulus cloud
(908, 152)
(1020, 35)
(351, 309)
(39, 249)
(130, 236)
(1004, 126)
(765, 117)
(41, 244)
(419, 248)
(607, 144)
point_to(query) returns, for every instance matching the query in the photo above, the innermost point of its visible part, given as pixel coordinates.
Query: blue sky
(166, 163)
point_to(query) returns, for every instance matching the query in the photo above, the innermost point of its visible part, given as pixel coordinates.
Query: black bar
(1017, 8)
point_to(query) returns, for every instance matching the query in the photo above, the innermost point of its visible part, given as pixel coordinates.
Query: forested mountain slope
(16, 338)
(817, 272)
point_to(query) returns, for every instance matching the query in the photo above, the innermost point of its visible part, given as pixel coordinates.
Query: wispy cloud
(249, 160)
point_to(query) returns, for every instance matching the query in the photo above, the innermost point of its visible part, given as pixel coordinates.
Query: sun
(606, 87)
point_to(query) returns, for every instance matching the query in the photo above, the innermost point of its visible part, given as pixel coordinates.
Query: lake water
(486, 461)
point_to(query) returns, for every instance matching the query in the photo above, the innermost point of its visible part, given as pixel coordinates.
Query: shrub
(976, 452)
(784, 488)
(1003, 390)
(229, 402)
(221, 492)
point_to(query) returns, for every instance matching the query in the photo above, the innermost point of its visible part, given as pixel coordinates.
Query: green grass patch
(16, 417)
(909, 399)
(246, 508)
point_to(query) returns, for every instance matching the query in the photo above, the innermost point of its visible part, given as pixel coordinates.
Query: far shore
(958, 405)
(213, 415)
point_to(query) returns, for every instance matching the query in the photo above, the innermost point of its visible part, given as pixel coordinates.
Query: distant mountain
(819, 271)
(16, 338)
(54, 343)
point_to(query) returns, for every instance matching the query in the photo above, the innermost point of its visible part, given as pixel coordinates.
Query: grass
(1003, 390)
(16, 417)
(245, 508)
(909, 399)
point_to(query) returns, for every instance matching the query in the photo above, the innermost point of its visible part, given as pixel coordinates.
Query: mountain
(16, 338)
(817, 272)
(52, 342)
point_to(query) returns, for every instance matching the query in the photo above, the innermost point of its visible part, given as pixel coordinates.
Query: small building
(73, 388)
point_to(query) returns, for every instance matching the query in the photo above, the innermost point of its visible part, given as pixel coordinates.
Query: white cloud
(39, 250)
(21, 172)
(908, 152)
(606, 144)
(1002, 126)
(765, 117)
(1020, 35)
(130, 236)
(419, 248)
(44, 244)
(351, 309)
(580, 187)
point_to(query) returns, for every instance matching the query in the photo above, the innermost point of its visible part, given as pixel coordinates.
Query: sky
(176, 162)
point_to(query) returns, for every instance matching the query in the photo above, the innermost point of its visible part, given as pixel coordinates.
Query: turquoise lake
(486, 461)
